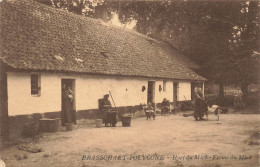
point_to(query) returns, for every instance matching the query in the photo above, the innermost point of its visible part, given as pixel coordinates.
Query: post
(112, 99)
(4, 127)
(203, 89)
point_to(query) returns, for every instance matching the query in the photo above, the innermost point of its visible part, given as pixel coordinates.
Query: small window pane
(164, 86)
(34, 84)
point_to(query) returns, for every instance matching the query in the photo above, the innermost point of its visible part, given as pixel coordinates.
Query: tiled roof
(34, 36)
(179, 57)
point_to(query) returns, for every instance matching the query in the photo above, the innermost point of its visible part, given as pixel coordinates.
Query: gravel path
(167, 141)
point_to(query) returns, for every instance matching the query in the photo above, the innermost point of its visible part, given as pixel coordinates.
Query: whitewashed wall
(20, 100)
(125, 92)
(184, 89)
(168, 94)
(88, 89)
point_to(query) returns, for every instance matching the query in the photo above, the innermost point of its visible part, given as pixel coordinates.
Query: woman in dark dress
(200, 105)
(68, 99)
(105, 108)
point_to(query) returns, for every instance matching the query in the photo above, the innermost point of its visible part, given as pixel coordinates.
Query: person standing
(68, 96)
(200, 105)
(105, 108)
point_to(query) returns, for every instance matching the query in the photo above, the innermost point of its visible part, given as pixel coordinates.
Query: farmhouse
(43, 49)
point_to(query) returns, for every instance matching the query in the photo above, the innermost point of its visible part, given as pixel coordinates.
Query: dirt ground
(167, 141)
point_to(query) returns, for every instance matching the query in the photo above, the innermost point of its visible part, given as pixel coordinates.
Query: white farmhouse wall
(184, 91)
(20, 100)
(88, 89)
(168, 93)
(125, 91)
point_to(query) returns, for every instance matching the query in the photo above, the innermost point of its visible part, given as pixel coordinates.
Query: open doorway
(151, 91)
(68, 108)
(175, 93)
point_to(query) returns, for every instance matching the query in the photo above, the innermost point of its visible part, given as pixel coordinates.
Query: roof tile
(36, 37)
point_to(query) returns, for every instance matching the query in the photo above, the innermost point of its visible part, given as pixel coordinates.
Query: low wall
(16, 122)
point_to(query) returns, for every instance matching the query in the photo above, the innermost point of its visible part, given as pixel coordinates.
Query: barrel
(126, 121)
(98, 123)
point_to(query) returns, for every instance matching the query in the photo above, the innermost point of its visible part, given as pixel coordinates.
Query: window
(164, 86)
(35, 84)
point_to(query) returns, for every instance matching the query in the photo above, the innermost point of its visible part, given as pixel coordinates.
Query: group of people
(109, 116)
(106, 112)
(201, 106)
(149, 109)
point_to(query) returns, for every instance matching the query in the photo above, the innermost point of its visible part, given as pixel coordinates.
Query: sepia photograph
(129, 83)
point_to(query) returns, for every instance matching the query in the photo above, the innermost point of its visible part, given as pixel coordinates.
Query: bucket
(98, 123)
(69, 126)
(126, 121)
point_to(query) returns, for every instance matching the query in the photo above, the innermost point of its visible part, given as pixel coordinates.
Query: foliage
(81, 7)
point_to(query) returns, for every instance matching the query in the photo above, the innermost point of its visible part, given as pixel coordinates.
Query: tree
(81, 7)
(245, 43)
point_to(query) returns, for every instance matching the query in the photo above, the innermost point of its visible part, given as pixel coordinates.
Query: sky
(115, 21)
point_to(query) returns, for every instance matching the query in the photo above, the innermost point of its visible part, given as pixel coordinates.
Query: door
(193, 85)
(175, 93)
(150, 91)
(68, 110)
